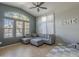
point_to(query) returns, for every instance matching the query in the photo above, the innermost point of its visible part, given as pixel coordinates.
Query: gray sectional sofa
(41, 39)
(49, 39)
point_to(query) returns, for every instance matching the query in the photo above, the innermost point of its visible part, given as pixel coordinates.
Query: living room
(50, 28)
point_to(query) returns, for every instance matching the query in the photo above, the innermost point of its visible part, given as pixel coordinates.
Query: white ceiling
(52, 7)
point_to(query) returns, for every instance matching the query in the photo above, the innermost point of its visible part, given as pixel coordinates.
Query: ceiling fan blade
(34, 4)
(41, 4)
(32, 7)
(38, 9)
(43, 7)
(37, 3)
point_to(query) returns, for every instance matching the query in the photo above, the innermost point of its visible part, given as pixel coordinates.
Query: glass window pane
(19, 28)
(43, 19)
(8, 33)
(16, 15)
(8, 23)
(19, 24)
(8, 28)
(26, 24)
(50, 18)
(19, 32)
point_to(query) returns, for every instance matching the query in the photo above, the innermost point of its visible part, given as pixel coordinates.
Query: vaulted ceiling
(51, 7)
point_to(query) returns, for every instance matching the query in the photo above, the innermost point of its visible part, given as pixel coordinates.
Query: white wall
(67, 32)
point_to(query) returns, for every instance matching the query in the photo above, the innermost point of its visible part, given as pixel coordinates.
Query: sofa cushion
(36, 41)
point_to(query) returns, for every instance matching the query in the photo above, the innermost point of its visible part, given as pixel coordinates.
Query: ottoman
(36, 41)
(25, 40)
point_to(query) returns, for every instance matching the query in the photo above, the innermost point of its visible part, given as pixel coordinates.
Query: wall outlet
(0, 42)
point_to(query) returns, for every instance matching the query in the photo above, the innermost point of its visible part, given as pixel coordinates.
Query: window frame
(28, 28)
(19, 29)
(6, 28)
(15, 19)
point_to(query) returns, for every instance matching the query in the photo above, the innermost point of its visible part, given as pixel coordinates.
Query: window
(50, 24)
(44, 19)
(16, 15)
(18, 21)
(45, 24)
(26, 26)
(19, 28)
(8, 28)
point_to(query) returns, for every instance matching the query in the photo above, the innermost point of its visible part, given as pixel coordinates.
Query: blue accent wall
(6, 8)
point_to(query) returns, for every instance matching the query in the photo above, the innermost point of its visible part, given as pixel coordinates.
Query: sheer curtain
(45, 24)
(50, 24)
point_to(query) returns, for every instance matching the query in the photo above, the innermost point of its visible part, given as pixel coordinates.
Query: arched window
(16, 15)
(18, 21)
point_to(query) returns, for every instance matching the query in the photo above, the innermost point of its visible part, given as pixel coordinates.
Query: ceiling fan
(38, 5)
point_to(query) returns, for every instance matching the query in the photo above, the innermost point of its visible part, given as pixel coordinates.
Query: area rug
(63, 51)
